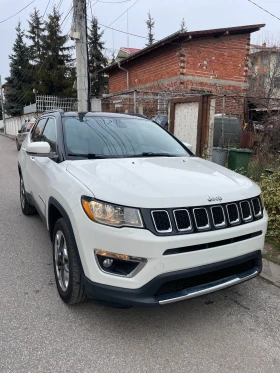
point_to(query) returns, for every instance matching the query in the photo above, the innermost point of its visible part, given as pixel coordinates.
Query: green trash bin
(239, 159)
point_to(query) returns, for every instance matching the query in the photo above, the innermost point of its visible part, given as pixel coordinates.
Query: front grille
(257, 207)
(218, 216)
(233, 213)
(188, 220)
(246, 211)
(179, 285)
(183, 220)
(201, 218)
(162, 221)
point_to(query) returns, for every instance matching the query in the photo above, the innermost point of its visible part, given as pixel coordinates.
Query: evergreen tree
(35, 32)
(55, 70)
(19, 92)
(183, 27)
(97, 59)
(150, 24)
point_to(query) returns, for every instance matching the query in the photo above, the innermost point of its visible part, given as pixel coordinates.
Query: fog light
(119, 264)
(107, 263)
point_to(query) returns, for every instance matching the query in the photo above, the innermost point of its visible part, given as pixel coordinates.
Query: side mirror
(19, 131)
(189, 146)
(39, 149)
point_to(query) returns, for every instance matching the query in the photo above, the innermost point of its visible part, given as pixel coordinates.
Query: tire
(26, 208)
(18, 146)
(66, 265)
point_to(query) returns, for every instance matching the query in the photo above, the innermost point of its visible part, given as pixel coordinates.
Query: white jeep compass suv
(134, 217)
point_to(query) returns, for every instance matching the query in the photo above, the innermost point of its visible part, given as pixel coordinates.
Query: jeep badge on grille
(215, 199)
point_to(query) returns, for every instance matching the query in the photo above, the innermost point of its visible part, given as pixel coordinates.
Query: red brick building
(212, 61)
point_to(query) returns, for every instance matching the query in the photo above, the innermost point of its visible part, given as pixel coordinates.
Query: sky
(168, 14)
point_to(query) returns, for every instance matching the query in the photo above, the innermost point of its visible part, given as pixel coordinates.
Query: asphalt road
(237, 330)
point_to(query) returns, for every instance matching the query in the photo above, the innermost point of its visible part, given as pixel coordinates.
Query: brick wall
(216, 65)
(157, 65)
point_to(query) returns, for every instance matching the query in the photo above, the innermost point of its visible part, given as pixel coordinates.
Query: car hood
(161, 182)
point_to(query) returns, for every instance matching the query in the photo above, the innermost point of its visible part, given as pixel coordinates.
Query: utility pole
(2, 104)
(80, 35)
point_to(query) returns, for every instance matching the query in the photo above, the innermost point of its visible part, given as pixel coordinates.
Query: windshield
(118, 137)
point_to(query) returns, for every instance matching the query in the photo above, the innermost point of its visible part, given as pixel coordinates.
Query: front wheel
(26, 208)
(66, 265)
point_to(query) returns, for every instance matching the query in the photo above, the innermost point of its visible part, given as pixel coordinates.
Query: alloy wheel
(61, 260)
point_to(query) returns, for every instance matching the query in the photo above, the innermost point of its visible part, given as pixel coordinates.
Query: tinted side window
(49, 134)
(37, 131)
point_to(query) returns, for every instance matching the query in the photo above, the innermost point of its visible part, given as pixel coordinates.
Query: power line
(91, 9)
(121, 15)
(66, 15)
(273, 15)
(123, 32)
(4, 20)
(90, 1)
(59, 4)
(46, 8)
(91, 5)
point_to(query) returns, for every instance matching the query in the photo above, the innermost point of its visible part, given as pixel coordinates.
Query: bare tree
(264, 65)
(264, 90)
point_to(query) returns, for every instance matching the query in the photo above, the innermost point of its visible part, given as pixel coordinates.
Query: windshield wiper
(88, 156)
(151, 154)
(101, 156)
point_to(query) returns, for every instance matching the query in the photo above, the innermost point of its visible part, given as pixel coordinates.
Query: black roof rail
(54, 111)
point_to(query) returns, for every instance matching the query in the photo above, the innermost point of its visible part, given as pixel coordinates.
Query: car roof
(101, 114)
(75, 114)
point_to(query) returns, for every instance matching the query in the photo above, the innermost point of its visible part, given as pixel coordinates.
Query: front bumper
(143, 244)
(190, 283)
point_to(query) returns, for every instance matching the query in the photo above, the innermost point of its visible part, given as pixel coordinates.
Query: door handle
(32, 158)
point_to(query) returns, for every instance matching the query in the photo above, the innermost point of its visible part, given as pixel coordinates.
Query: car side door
(41, 168)
(27, 161)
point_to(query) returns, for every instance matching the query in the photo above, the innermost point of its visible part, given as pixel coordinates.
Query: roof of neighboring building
(178, 36)
(129, 50)
(254, 48)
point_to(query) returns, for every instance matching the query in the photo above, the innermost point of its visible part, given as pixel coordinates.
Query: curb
(271, 272)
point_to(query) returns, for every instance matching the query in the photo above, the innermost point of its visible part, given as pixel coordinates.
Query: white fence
(13, 124)
(44, 103)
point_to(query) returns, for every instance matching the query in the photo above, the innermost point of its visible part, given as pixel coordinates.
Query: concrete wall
(13, 124)
(30, 109)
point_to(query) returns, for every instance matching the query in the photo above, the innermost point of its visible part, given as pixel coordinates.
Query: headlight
(262, 200)
(117, 216)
